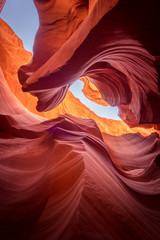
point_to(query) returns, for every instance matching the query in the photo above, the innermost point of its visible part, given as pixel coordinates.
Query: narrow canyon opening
(26, 28)
(100, 110)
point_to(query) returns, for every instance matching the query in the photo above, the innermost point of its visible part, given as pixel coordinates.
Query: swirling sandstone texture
(117, 49)
(75, 175)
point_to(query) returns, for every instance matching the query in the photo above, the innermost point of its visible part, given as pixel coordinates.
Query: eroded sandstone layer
(75, 175)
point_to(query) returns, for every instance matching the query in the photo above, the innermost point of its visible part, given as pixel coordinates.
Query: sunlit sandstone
(13, 55)
(63, 173)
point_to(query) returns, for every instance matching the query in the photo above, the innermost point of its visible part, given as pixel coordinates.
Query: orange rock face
(91, 92)
(67, 174)
(13, 55)
(118, 75)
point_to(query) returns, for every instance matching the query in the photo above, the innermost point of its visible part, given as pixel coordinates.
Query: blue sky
(22, 17)
(102, 111)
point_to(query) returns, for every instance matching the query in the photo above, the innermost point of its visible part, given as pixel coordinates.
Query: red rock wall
(66, 178)
(13, 55)
(120, 59)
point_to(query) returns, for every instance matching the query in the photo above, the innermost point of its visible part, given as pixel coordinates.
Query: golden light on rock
(66, 173)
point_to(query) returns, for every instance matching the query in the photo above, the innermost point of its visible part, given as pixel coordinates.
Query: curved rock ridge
(91, 92)
(13, 55)
(68, 178)
(63, 54)
(122, 60)
(63, 179)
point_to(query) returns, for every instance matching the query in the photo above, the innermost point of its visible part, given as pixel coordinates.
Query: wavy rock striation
(13, 55)
(122, 60)
(61, 179)
(66, 178)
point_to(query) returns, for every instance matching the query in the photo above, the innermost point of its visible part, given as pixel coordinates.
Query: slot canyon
(65, 172)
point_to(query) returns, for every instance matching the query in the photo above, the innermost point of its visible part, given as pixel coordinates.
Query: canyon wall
(66, 173)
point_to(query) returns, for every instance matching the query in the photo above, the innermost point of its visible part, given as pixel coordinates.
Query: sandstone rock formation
(120, 59)
(67, 177)
(13, 55)
(61, 179)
